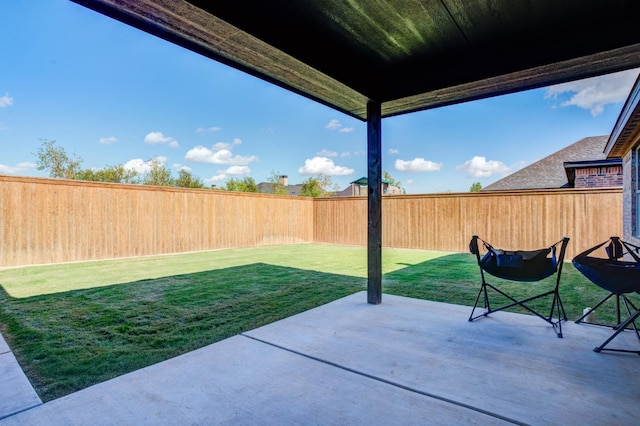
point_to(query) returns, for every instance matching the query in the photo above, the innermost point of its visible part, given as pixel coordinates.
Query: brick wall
(629, 207)
(598, 177)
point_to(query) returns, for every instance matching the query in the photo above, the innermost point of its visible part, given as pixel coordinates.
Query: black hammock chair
(522, 266)
(617, 276)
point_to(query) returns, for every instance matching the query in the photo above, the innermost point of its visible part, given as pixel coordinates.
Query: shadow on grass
(450, 279)
(68, 341)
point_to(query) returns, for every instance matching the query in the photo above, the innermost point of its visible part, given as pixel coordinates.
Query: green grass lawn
(77, 324)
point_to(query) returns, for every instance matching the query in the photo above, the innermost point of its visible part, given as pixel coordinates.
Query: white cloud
(6, 101)
(323, 165)
(347, 154)
(393, 151)
(178, 166)
(219, 146)
(237, 170)
(479, 167)
(226, 145)
(200, 154)
(208, 129)
(108, 140)
(333, 124)
(157, 137)
(596, 92)
(18, 168)
(140, 166)
(417, 165)
(327, 153)
(336, 125)
(217, 155)
(224, 174)
(137, 165)
(215, 179)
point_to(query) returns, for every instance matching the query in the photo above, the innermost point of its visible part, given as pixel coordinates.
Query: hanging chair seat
(525, 266)
(522, 266)
(618, 276)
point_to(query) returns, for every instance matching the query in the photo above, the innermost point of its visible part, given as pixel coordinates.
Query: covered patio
(372, 60)
(405, 361)
(357, 360)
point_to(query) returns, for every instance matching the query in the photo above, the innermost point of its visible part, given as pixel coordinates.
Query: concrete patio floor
(405, 361)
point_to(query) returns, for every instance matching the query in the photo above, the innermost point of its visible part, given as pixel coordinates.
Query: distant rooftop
(550, 172)
(267, 188)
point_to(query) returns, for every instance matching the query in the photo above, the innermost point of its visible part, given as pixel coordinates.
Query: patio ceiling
(405, 55)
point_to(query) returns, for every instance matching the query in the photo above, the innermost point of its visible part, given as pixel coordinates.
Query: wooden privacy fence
(51, 221)
(506, 219)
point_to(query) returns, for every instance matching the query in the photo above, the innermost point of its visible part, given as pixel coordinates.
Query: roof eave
(182, 23)
(571, 166)
(626, 132)
(575, 69)
(185, 25)
(593, 163)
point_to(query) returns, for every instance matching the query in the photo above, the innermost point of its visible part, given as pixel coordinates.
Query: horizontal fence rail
(51, 221)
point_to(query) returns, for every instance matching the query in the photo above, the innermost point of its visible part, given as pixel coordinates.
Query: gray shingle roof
(267, 188)
(549, 172)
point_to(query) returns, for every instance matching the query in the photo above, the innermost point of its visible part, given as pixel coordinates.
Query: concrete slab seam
(22, 410)
(388, 382)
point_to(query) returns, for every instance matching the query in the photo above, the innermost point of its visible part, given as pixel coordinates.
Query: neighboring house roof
(550, 172)
(363, 181)
(352, 190)
(571, 167)
(266, 187)
(347, 192)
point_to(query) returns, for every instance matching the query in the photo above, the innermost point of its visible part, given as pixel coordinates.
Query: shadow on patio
(405, 361)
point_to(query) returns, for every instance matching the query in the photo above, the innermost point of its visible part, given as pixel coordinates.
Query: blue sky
(111, 95)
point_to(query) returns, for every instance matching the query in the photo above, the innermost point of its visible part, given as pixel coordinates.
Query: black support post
(374, 200)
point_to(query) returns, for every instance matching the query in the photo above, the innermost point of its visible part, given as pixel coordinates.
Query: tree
(187, 180)
(247, 184)
(319, 186)
(56, 161)
(59, 164)
(277, 187)
(115, 174)
(386, 176)
(475, 187)
(158, 175)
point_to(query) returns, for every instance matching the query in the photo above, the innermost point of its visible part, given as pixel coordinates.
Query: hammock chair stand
(521, 266)
(617, 276)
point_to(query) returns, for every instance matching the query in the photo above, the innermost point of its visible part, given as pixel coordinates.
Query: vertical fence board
(508, 219)
(49, 221)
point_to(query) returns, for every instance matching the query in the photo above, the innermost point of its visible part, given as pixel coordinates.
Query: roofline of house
(571, 166)
(593, 163)
(627, 128)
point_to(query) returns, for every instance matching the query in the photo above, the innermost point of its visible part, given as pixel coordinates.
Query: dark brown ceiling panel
(407, 54)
